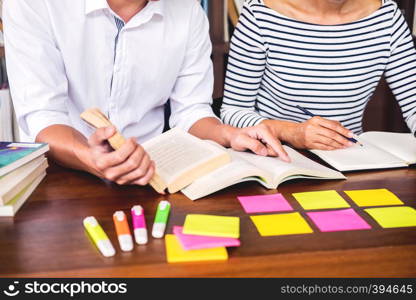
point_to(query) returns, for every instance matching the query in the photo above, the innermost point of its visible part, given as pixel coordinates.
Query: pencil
(312, 115)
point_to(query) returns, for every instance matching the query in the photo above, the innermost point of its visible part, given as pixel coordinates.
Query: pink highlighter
(139, 224)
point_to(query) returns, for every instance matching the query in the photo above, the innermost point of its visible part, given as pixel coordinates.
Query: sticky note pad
(321, 200)
(264, 203)
(392, 217)
(193, 242)
(281, 224)
(338, 220)
(175, 253)
(375, 197)
(208, 225)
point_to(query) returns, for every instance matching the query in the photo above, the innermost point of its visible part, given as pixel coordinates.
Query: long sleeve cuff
(35, 122)
(241, 118)
(186, 119)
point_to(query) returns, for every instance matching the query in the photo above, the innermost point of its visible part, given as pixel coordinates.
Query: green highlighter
(161, 219)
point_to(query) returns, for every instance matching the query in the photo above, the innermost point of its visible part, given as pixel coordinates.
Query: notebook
(380, 150)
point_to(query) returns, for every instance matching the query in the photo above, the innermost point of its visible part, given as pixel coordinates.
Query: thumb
(101, 135)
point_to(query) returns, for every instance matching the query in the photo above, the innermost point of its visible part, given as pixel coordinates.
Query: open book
(268, 171)
(200, 167)
(380, 150)
(179, 156)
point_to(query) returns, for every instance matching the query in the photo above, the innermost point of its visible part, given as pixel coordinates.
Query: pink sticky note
(264, 203)
(194, 242)
(338, 220)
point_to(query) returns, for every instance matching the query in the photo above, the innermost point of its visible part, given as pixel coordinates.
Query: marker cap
(126, 242)
(140, 235)
(158, 230)
(106, 248)
(99, 237)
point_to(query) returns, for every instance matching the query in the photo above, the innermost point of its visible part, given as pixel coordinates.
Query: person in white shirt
(126, 57)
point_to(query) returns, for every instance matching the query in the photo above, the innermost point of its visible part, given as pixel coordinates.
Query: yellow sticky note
(281, 224)
(175, 253)
(208, 225)
(375, 197)
(392, 217)
(321, 200)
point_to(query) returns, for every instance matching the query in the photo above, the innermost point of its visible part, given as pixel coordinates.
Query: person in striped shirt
(323, 55)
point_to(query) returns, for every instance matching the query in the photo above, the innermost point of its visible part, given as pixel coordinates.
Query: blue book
(14, 155)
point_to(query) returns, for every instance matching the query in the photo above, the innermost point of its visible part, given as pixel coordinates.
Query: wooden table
(47, 238)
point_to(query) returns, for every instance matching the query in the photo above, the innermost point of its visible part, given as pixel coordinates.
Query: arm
(245, 71)
(401, 69)
(39, 90)
(246, 66)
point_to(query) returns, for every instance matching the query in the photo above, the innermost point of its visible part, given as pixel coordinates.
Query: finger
(149, 175)
(140, 171)
(275, 144)
(270, 151)
(322, 139)
(319, 146)
(335, 126)
(115, 158)
(246, 142)
(101, 135)
(333, 135)
(130, 169)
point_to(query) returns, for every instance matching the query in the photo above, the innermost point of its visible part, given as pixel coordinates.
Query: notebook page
(402, 145)
(359, 157)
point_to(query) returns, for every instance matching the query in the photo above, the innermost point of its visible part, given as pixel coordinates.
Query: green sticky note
(320, 200)
(281, 224)
(392, 217)
(374, 197)
(208, 225)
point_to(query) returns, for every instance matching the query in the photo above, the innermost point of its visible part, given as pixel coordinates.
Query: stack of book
(22, 168)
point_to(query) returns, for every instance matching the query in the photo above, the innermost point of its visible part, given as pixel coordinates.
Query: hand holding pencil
(325, 134)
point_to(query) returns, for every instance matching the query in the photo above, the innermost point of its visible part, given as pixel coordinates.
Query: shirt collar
(94, 5)
(154, 7)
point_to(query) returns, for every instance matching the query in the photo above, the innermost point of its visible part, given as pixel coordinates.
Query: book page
(299, 165)
(238, 170)
(359, 157)
(176, 152)
(402, 145)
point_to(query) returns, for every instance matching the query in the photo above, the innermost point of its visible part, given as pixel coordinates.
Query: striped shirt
(276, 63)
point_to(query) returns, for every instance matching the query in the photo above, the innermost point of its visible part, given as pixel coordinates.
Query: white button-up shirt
(62, 58)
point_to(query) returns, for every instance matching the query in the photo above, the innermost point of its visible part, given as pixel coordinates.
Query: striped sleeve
(246, 66)
(401, 69)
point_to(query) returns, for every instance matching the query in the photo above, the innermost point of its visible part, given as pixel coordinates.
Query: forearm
(283, 130)
(213, 129)
(68, 147)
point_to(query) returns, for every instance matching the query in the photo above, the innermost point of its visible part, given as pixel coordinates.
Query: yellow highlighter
(99, 237)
